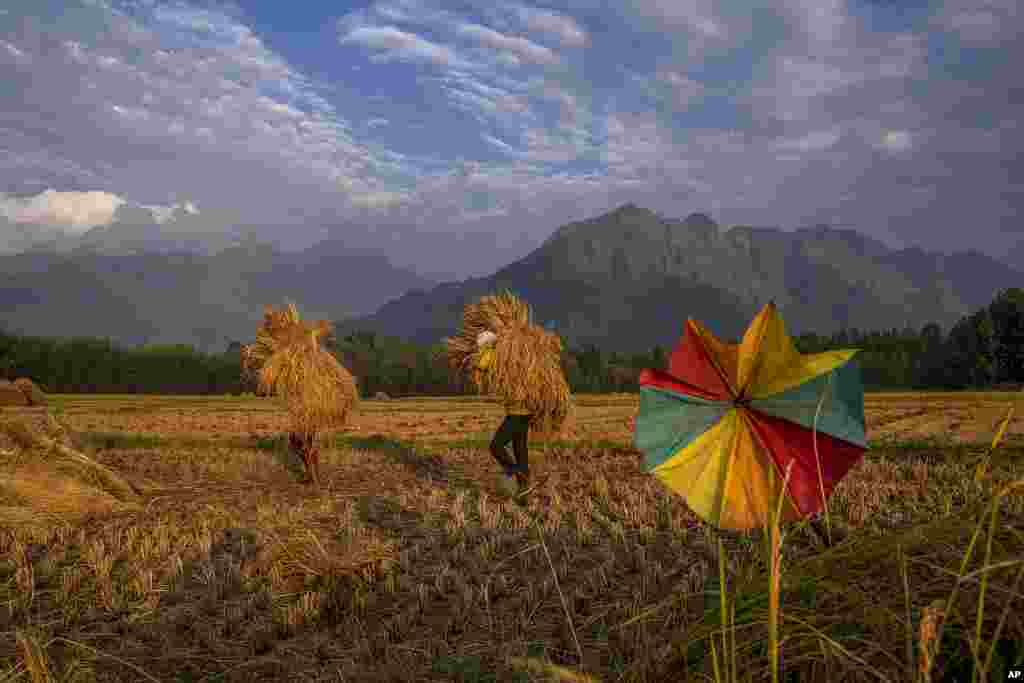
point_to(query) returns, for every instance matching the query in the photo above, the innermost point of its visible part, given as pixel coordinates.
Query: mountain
(189, 297)
(627, 280)
(137, 229)
(1015, 257)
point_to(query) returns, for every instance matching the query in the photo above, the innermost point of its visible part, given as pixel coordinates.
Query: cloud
(568, 32)
(794, 85)
(77, 211)
(163, 214)
(897, 140)
(451, 124)
(697, 16)
(12, 52)
(820, 21)
(814, 141)
(523, 49)
(671, 86)
(392, 43)
(975, 23)
(376, 200)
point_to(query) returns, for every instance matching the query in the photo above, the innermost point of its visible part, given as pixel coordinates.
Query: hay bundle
(44, 478)
(32, 392)
(11, 395)
(278, 326)
(527, 365)
(289, 363)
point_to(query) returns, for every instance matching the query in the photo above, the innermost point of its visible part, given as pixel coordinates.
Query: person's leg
(521, 447)
(522, 443)
(502, 437)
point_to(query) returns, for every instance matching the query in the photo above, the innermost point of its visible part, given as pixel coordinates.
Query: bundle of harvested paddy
(289, 363)
(318, 391)
(278, 326)
(526, 367)
(32, 392)
(11, 395)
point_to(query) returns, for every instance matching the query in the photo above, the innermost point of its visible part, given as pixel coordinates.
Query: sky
(460, 134)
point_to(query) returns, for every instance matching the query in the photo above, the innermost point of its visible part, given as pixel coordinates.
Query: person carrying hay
(514, 429)
(506, 355)
(288, 361)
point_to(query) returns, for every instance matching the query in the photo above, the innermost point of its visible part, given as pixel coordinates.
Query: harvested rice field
(192, 550)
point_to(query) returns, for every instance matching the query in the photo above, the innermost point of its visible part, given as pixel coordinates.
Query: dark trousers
(514, 430)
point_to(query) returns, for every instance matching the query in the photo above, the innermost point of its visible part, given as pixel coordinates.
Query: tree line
(983, 349)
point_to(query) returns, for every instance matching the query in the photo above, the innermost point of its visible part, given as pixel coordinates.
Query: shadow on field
(422, 463)
(389, 516)
(277, 447)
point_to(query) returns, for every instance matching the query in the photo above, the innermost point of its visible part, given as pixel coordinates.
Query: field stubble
(410, 564)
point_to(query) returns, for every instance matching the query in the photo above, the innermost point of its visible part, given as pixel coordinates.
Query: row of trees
(981, 350)
(82, 365)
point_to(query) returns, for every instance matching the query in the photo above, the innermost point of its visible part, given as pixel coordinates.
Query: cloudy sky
(460, 133)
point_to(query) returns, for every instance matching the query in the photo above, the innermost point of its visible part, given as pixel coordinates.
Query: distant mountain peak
(630, 207)
(700, 220)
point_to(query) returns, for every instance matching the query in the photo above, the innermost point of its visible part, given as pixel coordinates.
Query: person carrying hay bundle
(317, 390)
(504, 354)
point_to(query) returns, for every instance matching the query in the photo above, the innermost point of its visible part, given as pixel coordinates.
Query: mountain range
(181, 297)
(625, 280)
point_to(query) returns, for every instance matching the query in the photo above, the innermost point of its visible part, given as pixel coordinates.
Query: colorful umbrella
(724, 423)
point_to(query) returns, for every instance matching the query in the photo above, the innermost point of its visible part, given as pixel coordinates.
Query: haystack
(289, 363)
(11, 395)
(527, 359)
(32, 392)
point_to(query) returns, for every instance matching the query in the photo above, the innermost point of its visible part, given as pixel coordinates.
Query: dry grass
(409, 564)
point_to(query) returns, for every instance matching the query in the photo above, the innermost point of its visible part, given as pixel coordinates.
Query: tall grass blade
(817, 459)
(982, 468)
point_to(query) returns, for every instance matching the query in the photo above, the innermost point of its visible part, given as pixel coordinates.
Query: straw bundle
(32, 392)
(288, 362)
(11, 395)
(527, 359)
(45, 478)
(278, 326)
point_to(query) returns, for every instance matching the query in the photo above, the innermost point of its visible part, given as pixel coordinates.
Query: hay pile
(527, 359)
(11, 395)
(44, 477)
(32, 392)
(289, 363)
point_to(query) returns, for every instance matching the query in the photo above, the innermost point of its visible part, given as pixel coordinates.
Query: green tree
(659, 360)
(1007, 314)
